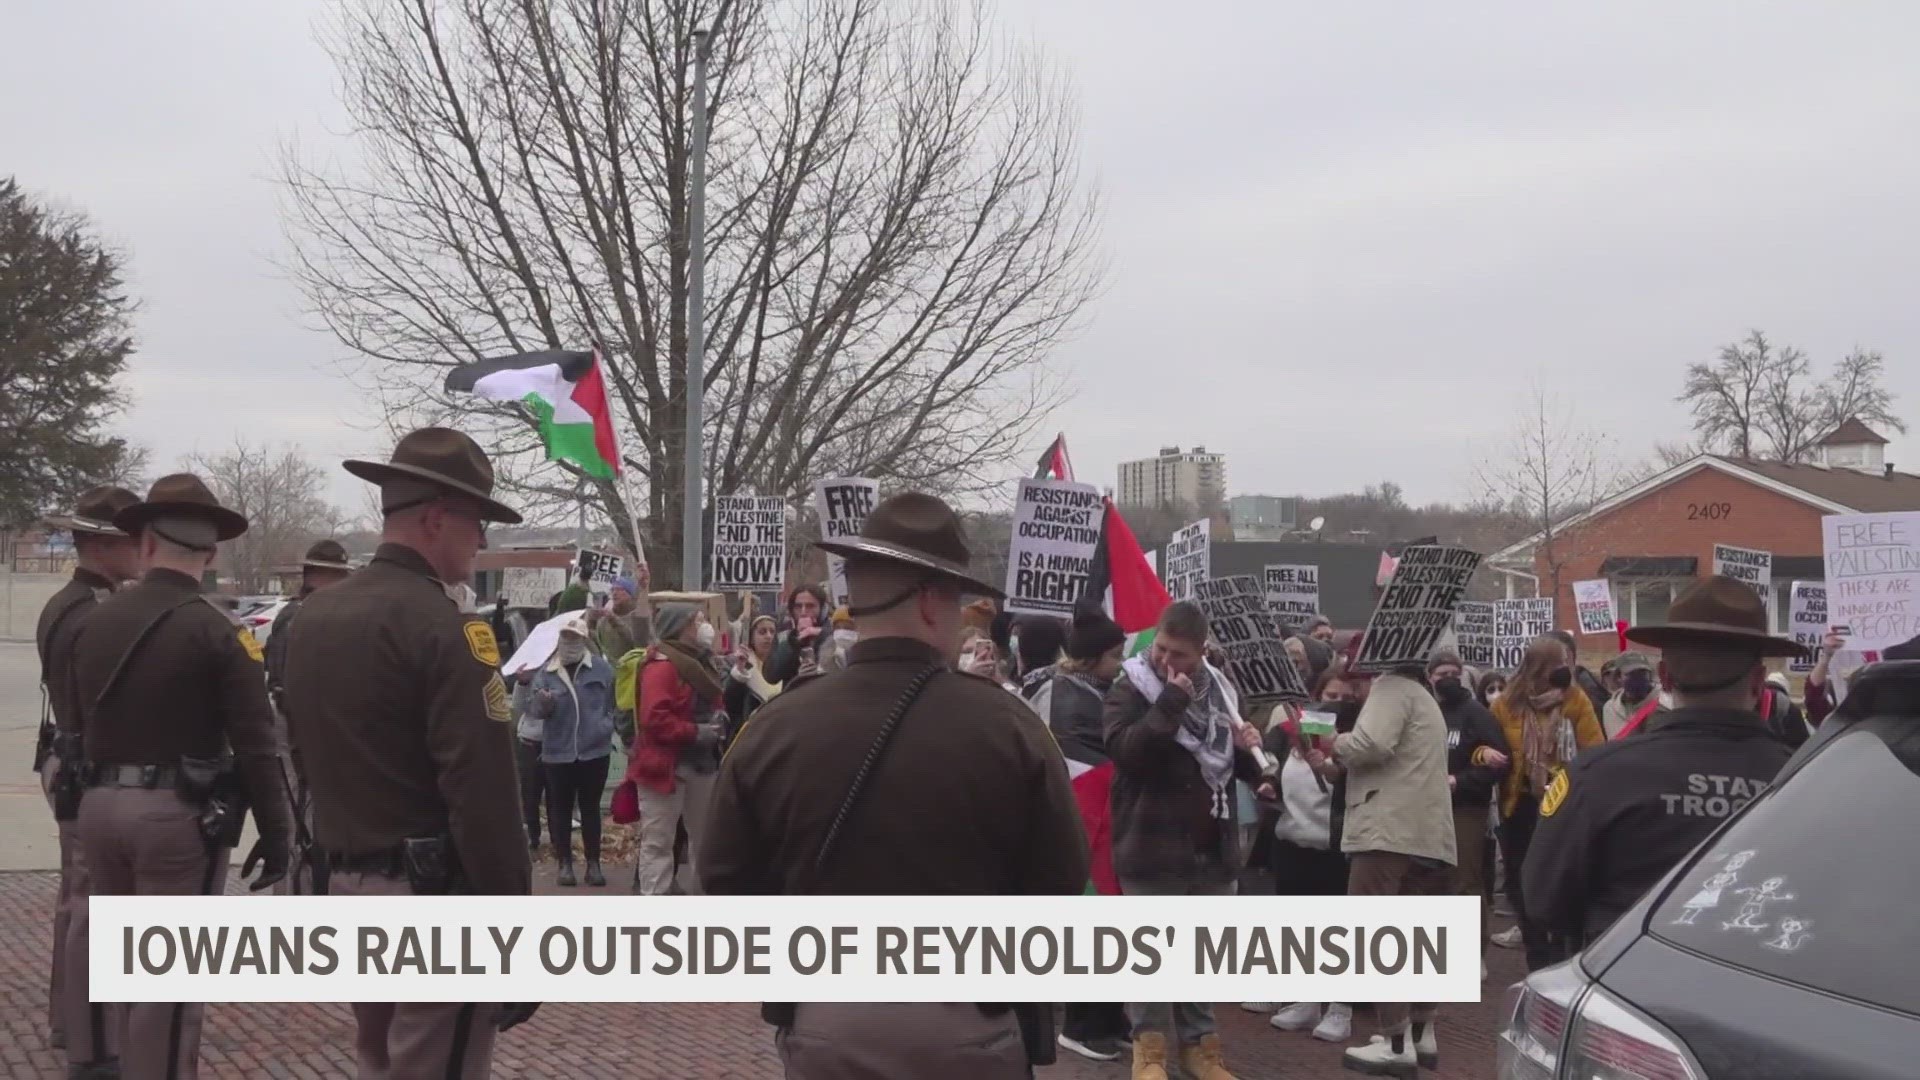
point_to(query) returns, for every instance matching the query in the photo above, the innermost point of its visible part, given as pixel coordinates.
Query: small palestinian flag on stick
(565, 394)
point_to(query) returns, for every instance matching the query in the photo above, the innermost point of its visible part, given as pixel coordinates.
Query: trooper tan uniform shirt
(402, 720)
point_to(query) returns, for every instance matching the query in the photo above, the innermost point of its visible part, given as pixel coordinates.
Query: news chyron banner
(802, 949)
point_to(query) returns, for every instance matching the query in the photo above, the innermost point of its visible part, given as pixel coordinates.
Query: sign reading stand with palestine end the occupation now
(1238, 618)
(1516, 623)
(1056, 530)
(1189, 559)
(1417, 607)
(750, 542)
(843, 504)
(1873, 577)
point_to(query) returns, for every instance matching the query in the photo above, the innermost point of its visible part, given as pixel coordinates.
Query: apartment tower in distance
(1176, 478)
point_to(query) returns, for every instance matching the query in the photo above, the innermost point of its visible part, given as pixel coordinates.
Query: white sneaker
(1380, 1057)
(1299, 1016)
(1509, 939)
(1336, 1026)
(1426, 1045)
(1259, 1006)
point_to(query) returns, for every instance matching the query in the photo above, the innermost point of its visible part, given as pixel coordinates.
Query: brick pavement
(625, 1041)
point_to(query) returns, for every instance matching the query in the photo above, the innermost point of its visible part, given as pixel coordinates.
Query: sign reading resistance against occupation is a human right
(843, 504)
(1056, 529)
(750, 542)
(1751, 568)
(1417, 608)
(1473, 633)
(1239, 620)
(1807, 618)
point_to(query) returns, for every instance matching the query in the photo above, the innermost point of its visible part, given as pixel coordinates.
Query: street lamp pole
(691, 560)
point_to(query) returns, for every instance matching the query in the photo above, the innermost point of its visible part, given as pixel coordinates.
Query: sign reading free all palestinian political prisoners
(1239, 620)
(843, 504)
(1473, 632)
(1293, 592)
(1752, 568)
(1593, 605)
(1056, 529)
(1189, 559)
(1417, 607)
(749, 542)
(1516, 624)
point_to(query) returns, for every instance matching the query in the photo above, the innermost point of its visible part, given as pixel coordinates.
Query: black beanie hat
(1093, 636)
(1040, 640)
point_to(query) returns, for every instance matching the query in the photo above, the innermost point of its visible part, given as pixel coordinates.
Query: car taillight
(1611, 1042)
(1537, 1015)
(258, 620)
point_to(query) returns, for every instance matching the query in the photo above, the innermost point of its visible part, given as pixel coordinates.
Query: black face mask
(1561, 679)
(1637, 684)
(1450, 691)
(1346, 716)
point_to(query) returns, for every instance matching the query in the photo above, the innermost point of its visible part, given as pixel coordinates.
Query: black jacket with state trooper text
(161, 673)
(397, 705)
(971, 796)
(1624, 812)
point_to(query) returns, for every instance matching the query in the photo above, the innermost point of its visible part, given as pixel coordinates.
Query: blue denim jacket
(578, 726)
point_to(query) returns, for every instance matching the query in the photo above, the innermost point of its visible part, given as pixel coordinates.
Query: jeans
(577, 785)
(1187, 1022)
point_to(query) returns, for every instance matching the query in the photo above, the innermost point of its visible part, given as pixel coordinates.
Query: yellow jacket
(1586, 732)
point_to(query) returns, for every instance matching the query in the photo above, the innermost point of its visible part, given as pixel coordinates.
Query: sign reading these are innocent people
(1873, 577)
(1516, 623)
(843, 504)
(1751, 568)
(750, 542)
(1417, 607)
(1238, 618)
(1189, 559)
(1293, 592)
(1056, 530)
(1593, 604)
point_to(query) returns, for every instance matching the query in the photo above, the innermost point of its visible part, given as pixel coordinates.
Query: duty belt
(129, 776)
(389, 862)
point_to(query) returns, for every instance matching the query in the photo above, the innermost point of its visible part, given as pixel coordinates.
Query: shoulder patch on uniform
(251, 644)
(499, 703)
(1556, 793)
(481, 644)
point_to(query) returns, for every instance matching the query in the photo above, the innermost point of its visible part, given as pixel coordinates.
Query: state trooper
(1625, 812)
(105, 557)
(324, 564)
(179, 743)
(397, 705)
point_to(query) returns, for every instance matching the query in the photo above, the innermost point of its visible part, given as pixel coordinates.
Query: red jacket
(664, 722)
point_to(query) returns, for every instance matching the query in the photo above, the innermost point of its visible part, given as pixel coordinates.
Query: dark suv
(1786, 945)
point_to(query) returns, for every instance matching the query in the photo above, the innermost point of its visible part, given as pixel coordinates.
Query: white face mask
(844, 639)
(1493, 696)
(705, 634)
(572, 649)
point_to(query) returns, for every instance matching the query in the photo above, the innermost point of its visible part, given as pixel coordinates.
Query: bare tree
(282, 495)
(1551, 471)
(1756, 392)
(897, 233)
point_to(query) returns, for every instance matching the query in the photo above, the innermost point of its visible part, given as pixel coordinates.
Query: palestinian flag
(566, 396)
(1055, 462)
(1123, 576)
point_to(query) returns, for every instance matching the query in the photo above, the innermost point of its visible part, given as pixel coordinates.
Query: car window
(1816, 884)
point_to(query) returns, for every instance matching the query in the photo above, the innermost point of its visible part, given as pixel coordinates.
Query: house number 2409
(1718, 511)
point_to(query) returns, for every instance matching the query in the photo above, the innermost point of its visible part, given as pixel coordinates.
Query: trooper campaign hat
(444, 459)
(93, 512)
(1717, 613)
(326, 555)
(180, 495)
(915, 529)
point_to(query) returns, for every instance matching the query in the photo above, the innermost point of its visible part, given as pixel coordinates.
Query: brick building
(1654, 539)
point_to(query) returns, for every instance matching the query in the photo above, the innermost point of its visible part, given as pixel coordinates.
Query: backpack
(626, 678)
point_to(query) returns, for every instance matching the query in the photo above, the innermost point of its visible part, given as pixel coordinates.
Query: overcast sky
(1344, 238)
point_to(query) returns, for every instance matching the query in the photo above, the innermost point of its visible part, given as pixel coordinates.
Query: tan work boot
(1149, 1056)
(1204, 1061)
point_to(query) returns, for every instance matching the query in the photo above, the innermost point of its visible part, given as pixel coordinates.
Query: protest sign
(1873, 577)
(1593, 606)
(531, 586)
(1239, 621)
(538, 648)
(1752, 568)
(1807, 620)
(1189, 559)
(1056, 528)
(1417, 607)
(749, 542)
(1293, 592)
(1516, 623)
(600, 568)
(1473, 632)
(843, 504)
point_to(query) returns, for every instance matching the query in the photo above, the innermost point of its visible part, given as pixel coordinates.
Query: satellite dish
(1317, 524)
